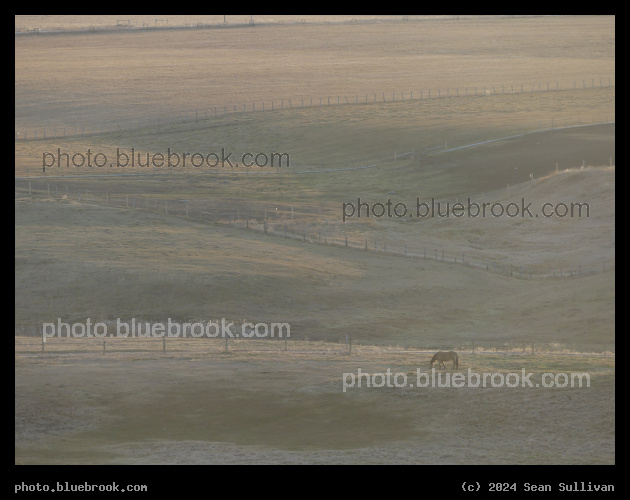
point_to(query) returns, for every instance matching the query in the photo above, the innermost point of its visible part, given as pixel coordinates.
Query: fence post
(103, 347)
(473, 347)
(164, 344)
(532, 347)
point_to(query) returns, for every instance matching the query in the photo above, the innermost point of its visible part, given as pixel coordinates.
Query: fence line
(139, 23)
(220, 111)
(29, 340)
(306, 223)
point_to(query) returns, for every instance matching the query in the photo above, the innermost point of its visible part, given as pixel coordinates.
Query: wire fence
(36, 343)
(306, 223)
(205, 114)
(113, 24)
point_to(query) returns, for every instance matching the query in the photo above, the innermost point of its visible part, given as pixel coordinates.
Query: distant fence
(306, 223)
(223, 110)
(195, 22)
(34, 343)
(206, 22)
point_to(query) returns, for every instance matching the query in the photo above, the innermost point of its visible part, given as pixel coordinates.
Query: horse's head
(433, 360)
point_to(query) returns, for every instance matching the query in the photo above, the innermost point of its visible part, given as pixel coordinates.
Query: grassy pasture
(76, 259)
(74, 80)
(262, 408)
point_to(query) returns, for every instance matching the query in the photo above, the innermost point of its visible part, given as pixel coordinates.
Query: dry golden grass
(76, 259)
(82, 80)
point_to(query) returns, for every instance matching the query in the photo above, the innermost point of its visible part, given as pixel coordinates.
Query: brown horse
(445, 356)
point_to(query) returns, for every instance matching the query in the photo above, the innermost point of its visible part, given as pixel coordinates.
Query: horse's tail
(433, 360)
